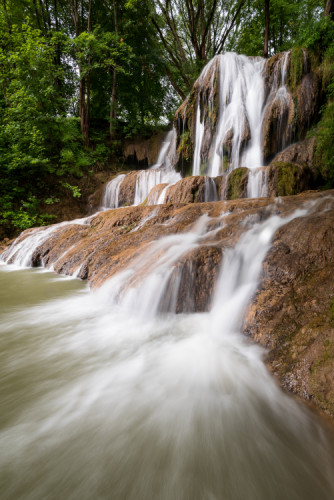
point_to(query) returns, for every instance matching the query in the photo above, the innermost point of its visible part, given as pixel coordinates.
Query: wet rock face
(293, 312)
(127, 189)
(187, 190)
(290, 114)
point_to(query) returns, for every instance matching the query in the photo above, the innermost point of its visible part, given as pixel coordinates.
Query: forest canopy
(76, 75)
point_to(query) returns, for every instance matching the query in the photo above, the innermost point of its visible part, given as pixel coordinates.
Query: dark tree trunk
(266, 28)
(329, 9)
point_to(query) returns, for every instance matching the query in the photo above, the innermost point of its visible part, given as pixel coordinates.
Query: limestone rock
(143, 151)
(187, 190)
(301, 153)
(237, 183)
(286, 179)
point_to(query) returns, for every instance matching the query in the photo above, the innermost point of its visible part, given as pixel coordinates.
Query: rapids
(109, 394)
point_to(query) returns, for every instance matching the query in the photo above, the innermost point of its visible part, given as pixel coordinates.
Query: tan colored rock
(127, 189)
(155, 193)
(187, 190)
(301, 153)
(293, 312)
(144, 151)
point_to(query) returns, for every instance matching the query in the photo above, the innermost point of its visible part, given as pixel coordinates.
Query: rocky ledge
(292, 313)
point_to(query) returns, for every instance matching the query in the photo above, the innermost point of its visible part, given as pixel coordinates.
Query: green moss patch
(296, 67)
(237, 183)
(287, 178)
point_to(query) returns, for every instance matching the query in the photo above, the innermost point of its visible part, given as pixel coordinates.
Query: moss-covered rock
(237, 183)
(297, 67)
(286, 179)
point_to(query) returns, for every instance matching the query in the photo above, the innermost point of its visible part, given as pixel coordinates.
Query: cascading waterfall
(111, 192)
(162, 172)
(241, 95)
(237, 140)
(105, 395)
(198, 142)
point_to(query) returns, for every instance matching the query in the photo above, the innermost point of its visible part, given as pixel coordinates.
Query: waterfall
(169, 406)
(198, 142)
(241, 98)
(232, 104)
(162, 172)
(111, 192)
(210, 190)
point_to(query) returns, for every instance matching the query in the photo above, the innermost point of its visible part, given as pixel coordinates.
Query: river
(101, 401)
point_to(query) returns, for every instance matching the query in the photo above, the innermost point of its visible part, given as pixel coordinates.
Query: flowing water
(237, 138)
(111, 395)
(162, 172)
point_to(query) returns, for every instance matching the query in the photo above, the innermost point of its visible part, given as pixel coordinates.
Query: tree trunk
(266, 28)
(113, 113)
(329, 9)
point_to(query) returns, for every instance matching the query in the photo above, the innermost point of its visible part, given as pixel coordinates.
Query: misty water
(101, 400)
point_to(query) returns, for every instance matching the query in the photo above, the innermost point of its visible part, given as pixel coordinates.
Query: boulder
(187, 190)
(237, 184)
(286, 179)
(301, 153)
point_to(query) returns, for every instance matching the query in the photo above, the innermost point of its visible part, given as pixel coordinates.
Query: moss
(237, 183)
(185, 146)
(286, 178)
(296, 67)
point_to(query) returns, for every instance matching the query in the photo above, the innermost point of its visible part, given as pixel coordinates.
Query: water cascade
(110, 394)
(236, 105)
(111, 192)
(162, 172)
(237, 98)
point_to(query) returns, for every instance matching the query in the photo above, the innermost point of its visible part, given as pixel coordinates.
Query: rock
(276, 130)
(292, 314)
(237, 183)
(127, 189)
(309, 100)
(141, 151)
(301, 152)
(187, 190)
(286, 179)
(155, 193)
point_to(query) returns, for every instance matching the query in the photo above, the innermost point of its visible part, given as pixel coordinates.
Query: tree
(192, 32)
(329, 9)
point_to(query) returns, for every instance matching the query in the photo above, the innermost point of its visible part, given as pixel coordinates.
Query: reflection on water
(97, 403)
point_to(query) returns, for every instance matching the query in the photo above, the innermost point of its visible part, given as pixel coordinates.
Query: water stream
(110, 395)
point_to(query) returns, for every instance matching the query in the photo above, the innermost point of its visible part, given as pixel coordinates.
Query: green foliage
(185, 146)
(287, 178)
(74, 189)
(324, 151)
(27, 215)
